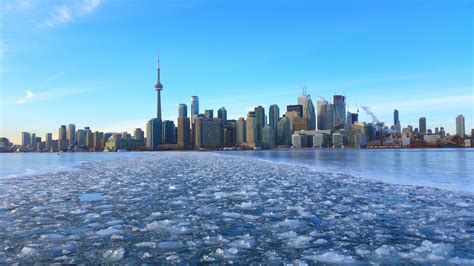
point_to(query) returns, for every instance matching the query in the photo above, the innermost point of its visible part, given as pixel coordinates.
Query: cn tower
(158, 88)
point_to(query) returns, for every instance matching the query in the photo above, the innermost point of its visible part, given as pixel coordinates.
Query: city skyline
(109, 89)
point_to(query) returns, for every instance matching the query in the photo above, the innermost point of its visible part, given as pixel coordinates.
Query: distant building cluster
(300, 125)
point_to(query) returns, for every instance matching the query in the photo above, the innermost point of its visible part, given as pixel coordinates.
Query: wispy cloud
(60, 15)
(15, 5)
(28, 96)
(89, 5)
(63, 14)
(46, 95)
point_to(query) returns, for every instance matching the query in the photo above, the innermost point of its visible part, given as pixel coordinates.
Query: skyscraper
(209, 114)
(182, 110)
(325, 115)
(339, 111)
(295, 107)
(241, 134)
(308, 109)
(460, 126)
(81, 137)
(62, 133)
(354, 118)
(71, 135)
(222, 114)
(260, 116)
(209, 133)
(273, 117)
(158, 88)
(422, 125)
(194, 108)
(48, 138)
(230, 134)
(267, 137)
(396, 121)
(25, 139)
(284, 132)
(138, 134)
(98, 137)
(33, 141)
(153, 134)
(89, 137)
(252, 130)
(184, 132)
(168, 132)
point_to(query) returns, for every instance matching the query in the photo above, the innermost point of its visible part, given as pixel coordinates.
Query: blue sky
(93, 62)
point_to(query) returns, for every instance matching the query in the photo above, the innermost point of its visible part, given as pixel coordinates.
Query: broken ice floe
(207, 208)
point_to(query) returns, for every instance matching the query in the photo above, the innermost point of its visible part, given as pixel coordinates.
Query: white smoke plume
(369, 112)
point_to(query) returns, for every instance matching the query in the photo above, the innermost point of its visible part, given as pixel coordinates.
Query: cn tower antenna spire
(158, 88)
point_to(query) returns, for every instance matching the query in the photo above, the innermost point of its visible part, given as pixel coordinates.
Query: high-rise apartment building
(25, 139)
(81, 137)
(182, 110)
(209, 133)
(33, 141)
(260, 116)
(422, 125)
(296, 108)
(222, 114)
(89, 137)
(251, 130)
(396, 120)
(292, 116)
(209, 114)
(71, 135)
(98, 140)
(241, 131)
(284, 132)
(194, 108)
(48, 139)
(339, 111)
(230, 131)
(460, 126)
(308, 111)
(325, 115)
(153, 134)
(267, 137)
(184, 132)
(169, 136)
(138, 134)
(273, 118)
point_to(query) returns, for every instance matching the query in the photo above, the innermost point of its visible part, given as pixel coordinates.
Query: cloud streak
(31, 97)
(63, 14)
(28, 96)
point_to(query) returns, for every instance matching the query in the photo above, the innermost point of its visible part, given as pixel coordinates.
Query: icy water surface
(208, 208)
(451, 169)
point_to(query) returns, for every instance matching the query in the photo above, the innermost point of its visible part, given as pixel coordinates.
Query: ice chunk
(331, 257)
(108, 231)
(320, 241)
(28, 251)
(114, 255)
(383, 251)
(299, 242)
(171, 245)
(146, 245)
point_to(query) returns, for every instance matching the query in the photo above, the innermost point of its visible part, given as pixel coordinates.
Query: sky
(93, 62)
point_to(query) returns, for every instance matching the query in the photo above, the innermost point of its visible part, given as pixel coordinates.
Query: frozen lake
(451, 169)
(202, 207)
